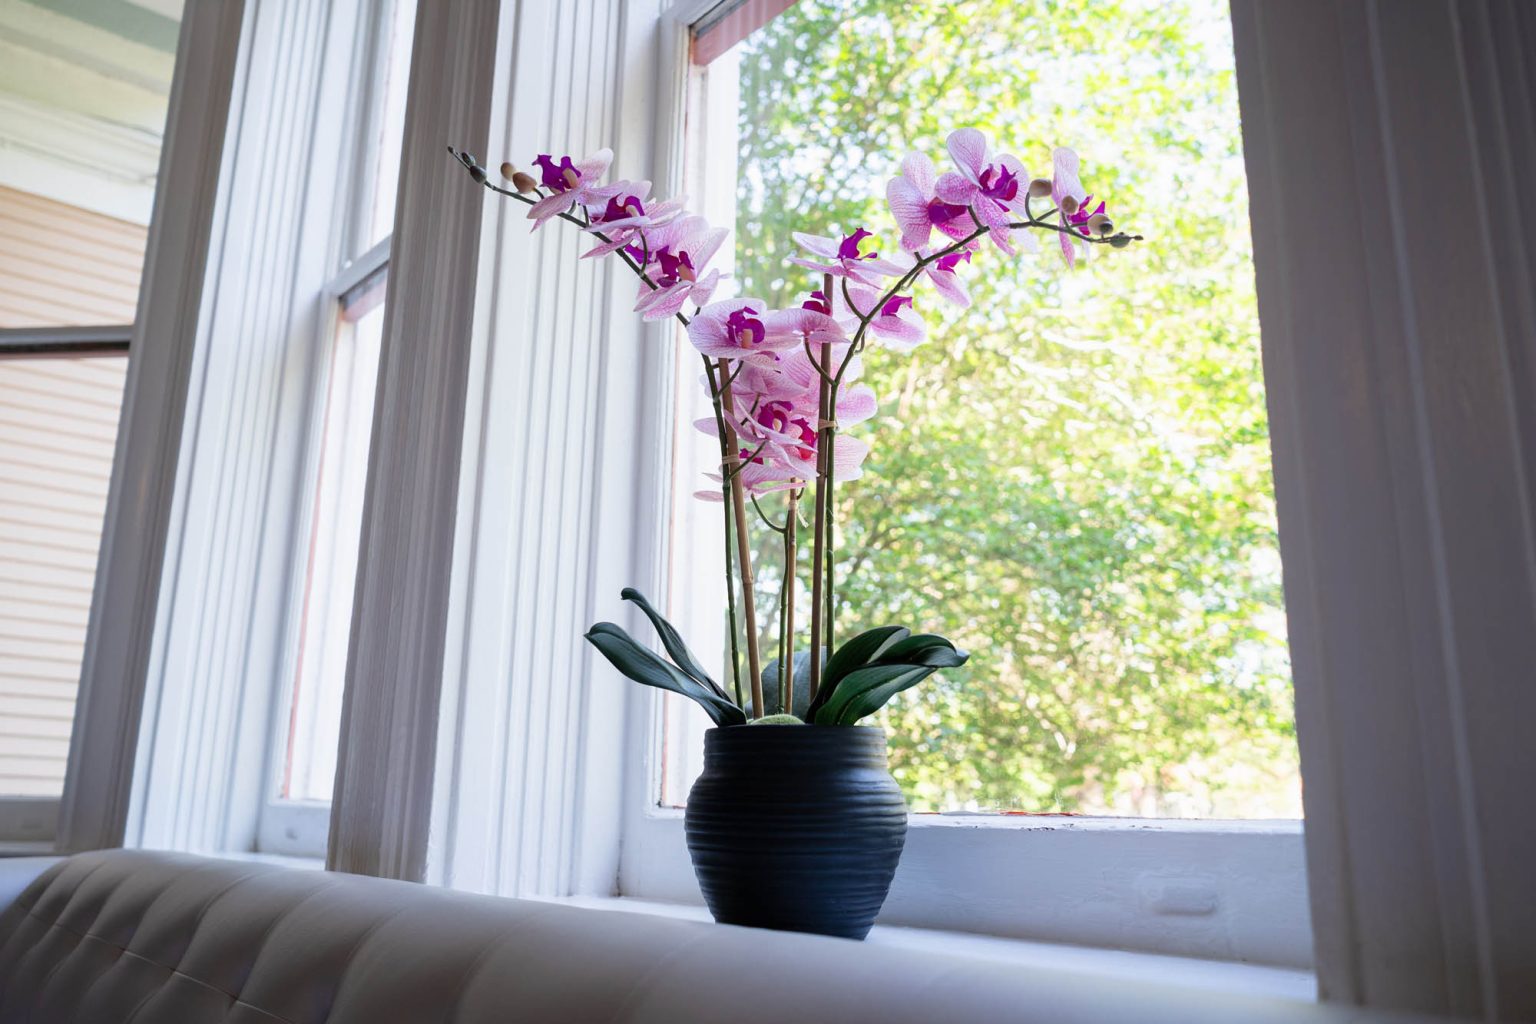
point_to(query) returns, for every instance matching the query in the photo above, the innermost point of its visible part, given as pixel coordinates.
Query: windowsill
(23, 848)
(1211, 975)
(298, 863)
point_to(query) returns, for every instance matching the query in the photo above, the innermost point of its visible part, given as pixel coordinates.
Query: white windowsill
(1212, 975)
(25, 848)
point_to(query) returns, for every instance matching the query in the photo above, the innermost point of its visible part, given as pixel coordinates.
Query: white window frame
(287, 826)
(1231, 890)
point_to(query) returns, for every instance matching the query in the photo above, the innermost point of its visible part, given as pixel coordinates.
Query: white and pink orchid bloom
(918, 211)
(1065, 185)
(674, 256)
(624, 217)
(847, 257)
(741, 329)
(894, 322)
(570, 183)
(946, 281)
(991, 188)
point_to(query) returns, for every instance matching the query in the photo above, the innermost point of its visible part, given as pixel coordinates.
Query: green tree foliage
(1071, 478)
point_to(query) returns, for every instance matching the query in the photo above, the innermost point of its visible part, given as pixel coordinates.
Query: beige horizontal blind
(58, 426)
(731, 21)
(61, 266)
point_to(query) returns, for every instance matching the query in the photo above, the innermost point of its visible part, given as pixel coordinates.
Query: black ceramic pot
(796, 827)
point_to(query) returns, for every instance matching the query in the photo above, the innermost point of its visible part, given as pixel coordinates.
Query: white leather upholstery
(133, 937)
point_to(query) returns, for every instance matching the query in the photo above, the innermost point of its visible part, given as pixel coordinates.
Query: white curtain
(1391, 145)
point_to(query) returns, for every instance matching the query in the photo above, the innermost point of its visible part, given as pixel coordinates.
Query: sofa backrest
(136, 937)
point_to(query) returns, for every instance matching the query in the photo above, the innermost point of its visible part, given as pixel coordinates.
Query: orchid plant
(783, 386)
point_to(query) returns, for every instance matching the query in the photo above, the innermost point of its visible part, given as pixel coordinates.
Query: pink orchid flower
(992, 189)
(895, 322)
(625, 216)
(777, 414)
(1066, 186)
(918, 210)
(740, 329)
(942, 273)
(675, 256)
(571, 183)
(846, 258)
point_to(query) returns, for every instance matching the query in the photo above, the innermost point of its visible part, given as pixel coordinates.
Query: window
(307, 728)
(1076, 487)
(82, 110)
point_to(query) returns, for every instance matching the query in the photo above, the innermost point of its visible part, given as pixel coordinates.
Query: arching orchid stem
(775, 527)
(820, 370)
(737, 464)
(743, 546)
(728, 534)
(682, 246)
(733, 513)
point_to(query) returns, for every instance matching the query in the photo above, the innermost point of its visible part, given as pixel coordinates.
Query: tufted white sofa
(154, 938)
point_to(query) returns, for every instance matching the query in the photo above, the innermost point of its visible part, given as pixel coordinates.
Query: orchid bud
(524, 182)
(507, 170)
(478, 173)
(1040, 188)
(1069, 205)
(1120, 241)
(1099, 224)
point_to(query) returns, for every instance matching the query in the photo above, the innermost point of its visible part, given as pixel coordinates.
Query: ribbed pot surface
(796, 827)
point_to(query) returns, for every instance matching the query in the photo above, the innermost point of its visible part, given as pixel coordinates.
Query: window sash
(1220, 889)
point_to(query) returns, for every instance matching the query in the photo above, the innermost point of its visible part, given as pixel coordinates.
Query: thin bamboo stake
(725, 511)
(743, 549)
(829, 551)
(787, 628)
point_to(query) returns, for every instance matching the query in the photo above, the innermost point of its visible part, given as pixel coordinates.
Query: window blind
(730, 22)
(58, 428)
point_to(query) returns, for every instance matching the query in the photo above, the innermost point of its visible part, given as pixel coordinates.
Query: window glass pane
(330, 567)
(382, 163)
(1072, 477)
(58, 427)
(83, 94)
(307, 763)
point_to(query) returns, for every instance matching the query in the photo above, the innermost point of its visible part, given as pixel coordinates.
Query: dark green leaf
(672, 640)
(861, 681)
(856, 653)
(899, 665)
(868, 701)
(862, 649)
(645, 666)
(923, 649)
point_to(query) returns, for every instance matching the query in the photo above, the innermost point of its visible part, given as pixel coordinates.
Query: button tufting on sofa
(155, 938)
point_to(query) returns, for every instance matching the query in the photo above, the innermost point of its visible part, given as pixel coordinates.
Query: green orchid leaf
(648, 668)
(871, 698)
(672, 640)
(860, 681)
(861, 650)
(899, 664)
(922, 649)
(802, 698)
(856, 653)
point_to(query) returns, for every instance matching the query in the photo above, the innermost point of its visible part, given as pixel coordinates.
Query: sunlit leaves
(1073, 481)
